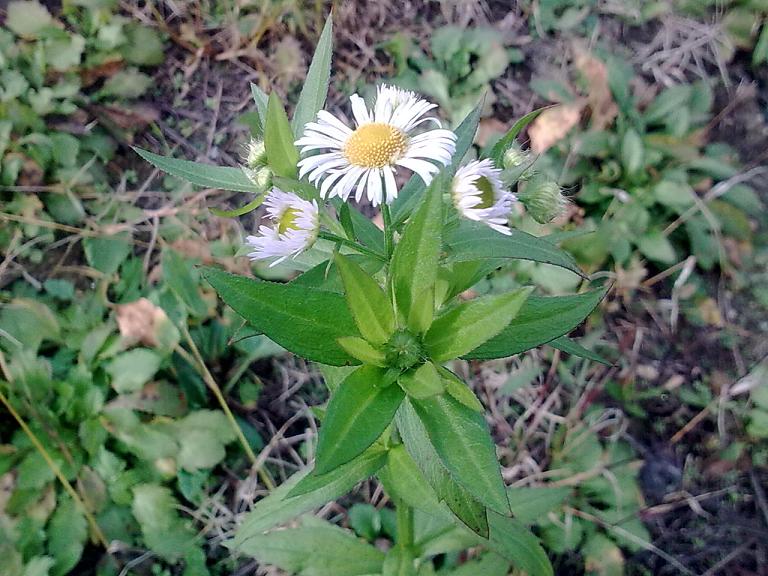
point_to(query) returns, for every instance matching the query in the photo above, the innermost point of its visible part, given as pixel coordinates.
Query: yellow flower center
(287, 221)
(375, 145)
(487, 195)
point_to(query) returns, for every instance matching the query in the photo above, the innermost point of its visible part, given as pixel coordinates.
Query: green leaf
(657, 247)
(514, 541)
(362, 350)
(317, 550)
(67, 533)
(540, 320)
(130, 370)
(530, 505)
(154, 507)
(220, 177)
(467, 325)
(569, 346)
(202, 436)
(38, 566)
(497, 153)
(462, 440)
(402, 479)
(423, 382)
(303, 320)
(178, 277)
(399, 562)
(632, 152)
(369, 304)
(474, 241)
(488, 564)
(278, 140)
(414, 262)
(359, 411)
(106, 253)
(260, 99)
(315, 89)
(460, 391)
(27, 18)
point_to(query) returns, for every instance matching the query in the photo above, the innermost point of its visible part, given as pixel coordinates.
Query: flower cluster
(363, 161)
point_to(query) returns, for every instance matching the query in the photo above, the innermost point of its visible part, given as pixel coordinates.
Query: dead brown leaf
(599, 98)
(137, 322)
(553, 125)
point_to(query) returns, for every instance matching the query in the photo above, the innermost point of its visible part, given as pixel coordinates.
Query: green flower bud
(543, 199)
(256, 156)
(403, 350)
(261, 177)
(514, 156)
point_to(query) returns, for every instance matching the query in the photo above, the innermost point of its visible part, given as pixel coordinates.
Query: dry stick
(211, 383)
(57, 471)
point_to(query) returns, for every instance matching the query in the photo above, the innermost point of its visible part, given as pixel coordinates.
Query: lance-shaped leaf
(512, 540)
(462, 440)
(403, 479)
(569, 346)
(497, 153)
(458, 499)
(409, 196)
(316, 549)
(303, 492)
(315, 89)
(359, 411)
(278, 140)
(414, 262)
(471, 241)
(304, 320)
(260, 99)
(540, 320)
(467, 325)
(221, 177)
(423, 382)
(370, 306)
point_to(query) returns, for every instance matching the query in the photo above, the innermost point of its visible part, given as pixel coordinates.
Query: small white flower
(478, 195)
(294, 230)
(364, 160)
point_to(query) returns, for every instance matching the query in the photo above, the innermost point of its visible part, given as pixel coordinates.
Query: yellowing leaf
(553, 125)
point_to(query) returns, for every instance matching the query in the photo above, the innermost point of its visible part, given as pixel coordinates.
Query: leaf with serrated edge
(315, 89)
(359, 411)
(464, 327)
(304, 320)
(540, 320)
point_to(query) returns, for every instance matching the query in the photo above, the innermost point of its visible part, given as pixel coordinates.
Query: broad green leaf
(457, 498)
(399, 562)
(531, 504)
(278, 140)
(465, 326)
(220, 177)
(369, 304)
(67, 533)
(460, 391)
(462, 440)
(489, 564)
(315, 550)
(497, 153)
(178, 277)
(202, 436)
(657, 247)
(155, 509)
(362, 350)
(632, 152)
(305, 491)
(359, 411)
(366, 231)
(106, 253)
(325, 276)
(403, 480)
(315, 89)
(38, 566)
(569, 346)
(510, 538)
(409, 196)
(423, 382)
(603, 556)
(414, 262)
(27, 17)
(474, 241)
(260, 99)
(130, 370)
(303, 320)
(540, 320)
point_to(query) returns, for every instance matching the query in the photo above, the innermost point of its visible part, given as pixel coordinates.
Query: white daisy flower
(364, 160)
(294, 230)
(478, 195)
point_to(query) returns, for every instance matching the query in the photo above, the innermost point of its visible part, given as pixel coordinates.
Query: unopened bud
(256, 155)
(514, 157)
(543, 199)
(261, 177)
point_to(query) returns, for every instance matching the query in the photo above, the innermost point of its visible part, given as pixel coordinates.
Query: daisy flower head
(363, 160)
(478, 195)
(295, 225)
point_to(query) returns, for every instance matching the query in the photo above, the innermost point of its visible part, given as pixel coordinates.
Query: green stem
(389, 231)
(404, 525)
(351, 244)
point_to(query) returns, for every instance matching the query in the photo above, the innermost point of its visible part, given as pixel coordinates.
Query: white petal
(374, 187)
(390, 184)
(423, 168)
(359, 110)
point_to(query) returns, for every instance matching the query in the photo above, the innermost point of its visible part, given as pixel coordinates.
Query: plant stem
(404, 525)
(57, 471)
(214, 387)
(389, 232)
(351, 244)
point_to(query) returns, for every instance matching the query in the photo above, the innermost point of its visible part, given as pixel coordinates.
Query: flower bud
(543, 199)
(261, 177)
(514, 156)
(256, 155)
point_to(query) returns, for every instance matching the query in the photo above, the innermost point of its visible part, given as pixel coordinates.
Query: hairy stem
(389, 231)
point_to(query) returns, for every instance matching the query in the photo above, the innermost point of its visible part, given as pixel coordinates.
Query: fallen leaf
(488, 128)
(139, 322)
(599, 98)
(553, 125)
